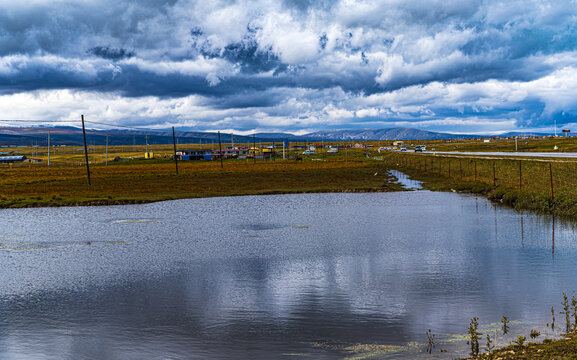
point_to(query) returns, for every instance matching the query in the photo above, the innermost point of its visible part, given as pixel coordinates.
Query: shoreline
(548, 349)
(369, 172)
(145, 183)
(537, 197)
(138, 202)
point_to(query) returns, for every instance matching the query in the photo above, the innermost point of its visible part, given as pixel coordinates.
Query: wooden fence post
(551, 177)
(494, 177)
(520, 176)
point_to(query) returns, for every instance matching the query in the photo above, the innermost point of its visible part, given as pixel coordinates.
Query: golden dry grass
(522, 183)
(143, 181)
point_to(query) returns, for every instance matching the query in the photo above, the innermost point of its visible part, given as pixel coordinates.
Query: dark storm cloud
(111, 53)
(248, 57)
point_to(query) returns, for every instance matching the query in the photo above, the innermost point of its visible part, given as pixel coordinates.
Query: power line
(77, 121)
(122, 126)
(36, 121)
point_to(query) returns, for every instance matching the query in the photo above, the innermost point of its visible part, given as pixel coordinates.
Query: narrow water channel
(320, 276)
(406, 181)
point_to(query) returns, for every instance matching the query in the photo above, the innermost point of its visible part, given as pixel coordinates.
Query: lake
(319, 276)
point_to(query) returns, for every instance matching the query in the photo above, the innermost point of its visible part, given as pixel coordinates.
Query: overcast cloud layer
(292, 65)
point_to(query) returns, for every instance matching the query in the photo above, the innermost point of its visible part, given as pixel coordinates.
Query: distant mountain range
(15, 136)
(526, 134)
(385, 134)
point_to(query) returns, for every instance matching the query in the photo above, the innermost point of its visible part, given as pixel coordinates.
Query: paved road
(498, 153)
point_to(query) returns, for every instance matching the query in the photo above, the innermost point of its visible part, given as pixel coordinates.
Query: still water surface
(264, 277)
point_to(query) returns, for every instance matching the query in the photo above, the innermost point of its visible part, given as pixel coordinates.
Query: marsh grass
(505, 325)
(499, 179)
(430, 341)
(565, 304)
(473, 337)
(562, 348)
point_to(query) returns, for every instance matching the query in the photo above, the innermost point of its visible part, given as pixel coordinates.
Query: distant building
(12, 159)
(196, 154)
(209, 154)
(264, 155)
(231, 153)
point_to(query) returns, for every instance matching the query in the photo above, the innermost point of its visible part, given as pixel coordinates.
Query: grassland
(120, 174)
(562, 349)
(547, 144)
(135, 180)
(545, 186)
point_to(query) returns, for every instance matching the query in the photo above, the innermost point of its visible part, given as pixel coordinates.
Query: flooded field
(320, 276)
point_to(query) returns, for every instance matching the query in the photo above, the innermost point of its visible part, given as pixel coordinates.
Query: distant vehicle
(333, 150)
(420, 148)
(308, 152)
(403, 148)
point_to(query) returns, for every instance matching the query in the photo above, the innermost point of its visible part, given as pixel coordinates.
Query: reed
(430, 341)
(505, 325)
(566, 312)
(474, 336)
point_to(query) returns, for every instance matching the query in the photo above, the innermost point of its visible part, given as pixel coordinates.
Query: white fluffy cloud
(292, 65)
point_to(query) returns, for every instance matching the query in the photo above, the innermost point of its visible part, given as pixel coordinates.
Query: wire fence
(551, 178)
(55, 147)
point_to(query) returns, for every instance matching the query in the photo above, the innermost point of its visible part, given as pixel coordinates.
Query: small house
(230, 153)
(196, 154)
(12, 159)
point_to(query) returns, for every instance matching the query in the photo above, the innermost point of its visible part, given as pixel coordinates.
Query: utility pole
(254, 147)
(220, 150)
(174, 144)
(48, 148)
(85, 151)
(106, 150)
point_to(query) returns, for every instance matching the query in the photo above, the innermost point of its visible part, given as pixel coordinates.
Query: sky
(292, 65)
